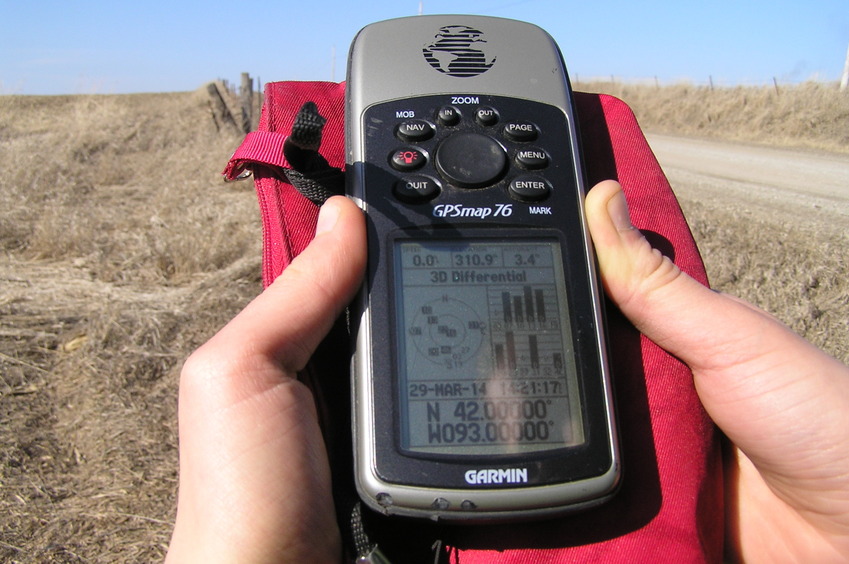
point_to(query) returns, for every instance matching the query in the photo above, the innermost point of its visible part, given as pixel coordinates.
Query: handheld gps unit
(480, 381)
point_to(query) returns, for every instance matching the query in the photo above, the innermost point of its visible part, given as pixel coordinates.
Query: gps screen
(486, 358)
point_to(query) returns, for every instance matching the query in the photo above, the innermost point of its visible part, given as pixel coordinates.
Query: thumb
(287, 321)
(647, 286)
(756, 378)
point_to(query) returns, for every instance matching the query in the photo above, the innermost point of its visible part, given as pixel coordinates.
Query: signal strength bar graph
(526, 309)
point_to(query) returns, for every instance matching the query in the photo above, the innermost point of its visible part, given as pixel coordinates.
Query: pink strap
(259, 147)
(288, 218)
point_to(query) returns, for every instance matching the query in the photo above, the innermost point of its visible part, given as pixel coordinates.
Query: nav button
(416, 189)
(414, 130)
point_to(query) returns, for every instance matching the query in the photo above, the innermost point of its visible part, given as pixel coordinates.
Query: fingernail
(617, 209)
(327, 217)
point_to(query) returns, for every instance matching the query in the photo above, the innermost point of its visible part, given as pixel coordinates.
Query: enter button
(530, 188)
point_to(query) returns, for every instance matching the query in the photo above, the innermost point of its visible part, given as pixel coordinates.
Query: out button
(486, 116)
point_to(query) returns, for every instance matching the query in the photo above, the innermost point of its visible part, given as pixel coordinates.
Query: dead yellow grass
(809, 115)
(122, 251)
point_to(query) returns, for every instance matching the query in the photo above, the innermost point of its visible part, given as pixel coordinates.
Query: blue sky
(69, 47)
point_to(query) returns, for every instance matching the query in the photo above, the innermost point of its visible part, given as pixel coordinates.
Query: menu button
(532, 159)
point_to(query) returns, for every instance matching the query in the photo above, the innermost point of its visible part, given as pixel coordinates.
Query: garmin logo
(497, 476)
(459, 51)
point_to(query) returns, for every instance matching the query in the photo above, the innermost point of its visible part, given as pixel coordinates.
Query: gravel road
(803, 186)
(772, 225)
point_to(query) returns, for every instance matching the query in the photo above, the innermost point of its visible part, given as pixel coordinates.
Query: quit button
(416, 189)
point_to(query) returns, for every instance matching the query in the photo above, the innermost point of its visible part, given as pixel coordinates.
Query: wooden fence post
(247, 100)
(218, 106)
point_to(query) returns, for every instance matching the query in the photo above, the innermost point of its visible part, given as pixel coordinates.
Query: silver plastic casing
(386, 63)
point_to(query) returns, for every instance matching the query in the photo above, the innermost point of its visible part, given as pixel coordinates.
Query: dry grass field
(809, 115)
(122, 250)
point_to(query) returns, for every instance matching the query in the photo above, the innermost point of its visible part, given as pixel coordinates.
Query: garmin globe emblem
(460, 51)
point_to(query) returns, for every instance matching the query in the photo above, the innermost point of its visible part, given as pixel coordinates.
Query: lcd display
(486, 358)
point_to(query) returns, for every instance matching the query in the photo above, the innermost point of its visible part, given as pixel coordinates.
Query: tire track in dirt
(807, 187)
(772, 225)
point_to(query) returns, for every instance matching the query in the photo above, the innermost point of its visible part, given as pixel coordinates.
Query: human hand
(254, 475)
(782, 402)
(254, 479)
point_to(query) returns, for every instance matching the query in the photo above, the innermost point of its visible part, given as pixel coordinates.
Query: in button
(449, 115)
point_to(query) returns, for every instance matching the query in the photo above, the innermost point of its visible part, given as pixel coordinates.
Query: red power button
(407, 158)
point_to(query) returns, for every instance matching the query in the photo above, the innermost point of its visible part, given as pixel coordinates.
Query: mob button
(414, 130)
(416, 189)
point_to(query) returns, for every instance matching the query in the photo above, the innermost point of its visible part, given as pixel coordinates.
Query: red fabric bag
(670, 506)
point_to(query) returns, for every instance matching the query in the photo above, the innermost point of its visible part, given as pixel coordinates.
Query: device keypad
(488, 145)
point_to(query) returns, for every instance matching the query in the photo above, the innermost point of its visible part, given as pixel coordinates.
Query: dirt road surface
(772, 225)
(811, 188)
